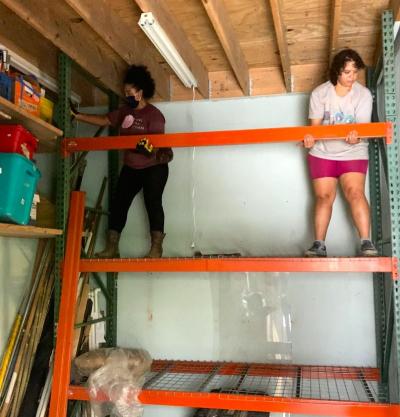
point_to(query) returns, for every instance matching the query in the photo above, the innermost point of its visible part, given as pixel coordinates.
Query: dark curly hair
(340, 60)
(139, 76)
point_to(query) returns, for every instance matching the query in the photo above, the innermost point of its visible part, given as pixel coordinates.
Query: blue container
(5, 86)
(18, 179)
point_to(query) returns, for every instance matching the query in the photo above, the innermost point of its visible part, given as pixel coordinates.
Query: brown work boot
(156, 249)
(111, 250)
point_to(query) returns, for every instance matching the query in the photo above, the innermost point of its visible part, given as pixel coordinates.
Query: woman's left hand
(352, 138)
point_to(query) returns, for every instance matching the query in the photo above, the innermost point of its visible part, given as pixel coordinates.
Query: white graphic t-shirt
(354, 107)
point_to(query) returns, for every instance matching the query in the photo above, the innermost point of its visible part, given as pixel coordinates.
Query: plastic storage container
(18, 180)
(5, 86)
(46, 109)
(16, 139)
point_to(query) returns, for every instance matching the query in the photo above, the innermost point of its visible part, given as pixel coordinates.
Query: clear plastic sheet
(254, 317)
(116, 374)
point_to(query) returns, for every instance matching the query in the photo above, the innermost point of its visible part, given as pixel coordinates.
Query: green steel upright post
(112, 278)
(394, 192)
(63, 117)
(377, 236)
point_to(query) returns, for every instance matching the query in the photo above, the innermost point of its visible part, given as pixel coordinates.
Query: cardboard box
(27, 94)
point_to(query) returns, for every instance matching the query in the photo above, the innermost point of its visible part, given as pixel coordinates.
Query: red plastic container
(16, 139)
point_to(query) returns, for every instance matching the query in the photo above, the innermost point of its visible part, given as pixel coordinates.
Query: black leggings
(130, 182)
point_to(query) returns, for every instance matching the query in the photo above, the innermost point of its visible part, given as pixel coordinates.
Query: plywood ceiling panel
(304, 31)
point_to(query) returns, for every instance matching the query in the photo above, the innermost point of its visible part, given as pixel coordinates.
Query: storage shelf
(300, 389)
(240, 264)
(45, 132)
(14, 230)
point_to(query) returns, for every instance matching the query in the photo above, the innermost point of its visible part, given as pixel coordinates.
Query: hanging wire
(193, 244)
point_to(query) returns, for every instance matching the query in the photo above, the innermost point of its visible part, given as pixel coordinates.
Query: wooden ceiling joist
(57, 22)
(14, 34)
(122, 39)
(395, 6)
(218, 15)
(336, 10)
(280, 32)
(168, 22)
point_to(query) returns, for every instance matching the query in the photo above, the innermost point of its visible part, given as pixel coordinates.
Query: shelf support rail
(231, 137)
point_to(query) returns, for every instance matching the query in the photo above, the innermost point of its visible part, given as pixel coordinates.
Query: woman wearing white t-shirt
(340, 100)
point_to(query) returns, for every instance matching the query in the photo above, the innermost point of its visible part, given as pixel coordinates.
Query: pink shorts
(320, 167)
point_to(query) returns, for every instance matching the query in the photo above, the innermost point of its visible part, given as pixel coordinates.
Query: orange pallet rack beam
(231, 137)
(230, 264)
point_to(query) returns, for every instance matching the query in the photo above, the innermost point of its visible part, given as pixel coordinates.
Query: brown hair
(340, 60)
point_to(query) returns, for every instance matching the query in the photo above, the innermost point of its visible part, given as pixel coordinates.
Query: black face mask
(132, 102)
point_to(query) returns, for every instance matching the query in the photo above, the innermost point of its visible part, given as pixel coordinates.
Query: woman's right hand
(308, 141)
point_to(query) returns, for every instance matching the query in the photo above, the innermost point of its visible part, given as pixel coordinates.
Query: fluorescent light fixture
(159, 38)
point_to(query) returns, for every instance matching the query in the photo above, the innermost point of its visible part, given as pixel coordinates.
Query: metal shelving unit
(320, 390)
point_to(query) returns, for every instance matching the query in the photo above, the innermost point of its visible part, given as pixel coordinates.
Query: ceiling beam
(280, 32)
(121, 37)
(336, 11)
(218, 15)
(395, 6)
(59, 24)
(178, 37)
(14, 34)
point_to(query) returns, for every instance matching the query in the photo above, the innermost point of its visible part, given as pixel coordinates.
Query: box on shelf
(46, 109)
(27, 94)
(18, 180)
(35, 202)
(5, 86)
(16, 139)
(46, 213)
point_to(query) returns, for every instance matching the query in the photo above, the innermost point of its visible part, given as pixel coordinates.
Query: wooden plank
(14, 230)
(45, 132)
(58, 23)
(336, 10)
(178, 37)
(99, 15)
(395, 6)
(280, 32)
(218, 15)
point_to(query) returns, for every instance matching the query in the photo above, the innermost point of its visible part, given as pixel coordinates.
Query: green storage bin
(18, 180)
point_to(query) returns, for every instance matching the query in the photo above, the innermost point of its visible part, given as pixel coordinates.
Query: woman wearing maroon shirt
(142, 169)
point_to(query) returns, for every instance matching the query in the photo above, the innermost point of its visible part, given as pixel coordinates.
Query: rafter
(218, 15)
(395, 6)
(336, 10)
(179, 39)
(280, 32)
(122, 39)
(58, 23)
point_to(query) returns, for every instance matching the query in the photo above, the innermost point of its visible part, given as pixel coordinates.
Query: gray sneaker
(368, 249)
(317, 250)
